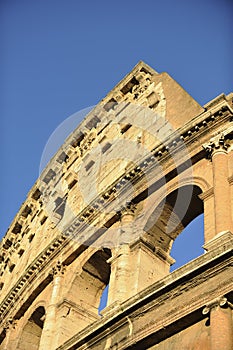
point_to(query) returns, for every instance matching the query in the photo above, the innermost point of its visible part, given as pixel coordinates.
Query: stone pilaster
(221, 327)
(120, 261)
(135, 264)
(217, 152)
(48, 339)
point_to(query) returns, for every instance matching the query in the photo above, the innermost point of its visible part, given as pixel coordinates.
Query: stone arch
(198, 181)
(92, 280)
(172, 215)
(80, 303)
(32, 330)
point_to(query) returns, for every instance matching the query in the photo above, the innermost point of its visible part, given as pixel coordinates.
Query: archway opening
(88, 286)
(31, 334)
(172, 216)
(103, 299)
(188, 245)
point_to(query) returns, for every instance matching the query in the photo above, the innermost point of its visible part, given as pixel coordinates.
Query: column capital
(58, 269)
(221, 302)
(128, 209)
(9, 324)
(216, 144)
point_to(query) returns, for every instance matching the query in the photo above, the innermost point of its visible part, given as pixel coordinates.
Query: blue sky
(58, 57)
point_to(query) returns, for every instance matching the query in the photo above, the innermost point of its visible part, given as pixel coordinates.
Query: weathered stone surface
(144, 163)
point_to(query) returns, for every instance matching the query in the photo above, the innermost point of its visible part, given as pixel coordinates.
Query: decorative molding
(207, 194)
(216, 144)
(221, 302)
(218, 240)
(129, 209)
(58, 269)
(9, 324)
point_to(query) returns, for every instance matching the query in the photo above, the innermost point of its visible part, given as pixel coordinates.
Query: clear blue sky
(58, 57)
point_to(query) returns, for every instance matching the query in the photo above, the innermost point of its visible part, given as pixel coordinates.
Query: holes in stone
(93, 122)
(106, 147)
(73, 182)
(60, 206)
(129, 86)
(125, 128)
(11, 267)
(101, 130)
(62, 158)
(30, 238)
(161, 240)
(7, 244)
(144, 70)
(78, 140)
(36, 195)
(110, 104)
(48, 177)
(34, 215)
(20, 253)
(89, 165)
(43, 220)
(26, 211)
(17, 228)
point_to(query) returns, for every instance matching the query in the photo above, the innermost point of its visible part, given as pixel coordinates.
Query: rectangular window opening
(106, 147)
(72, 184)
(125, 128)
(89, 165)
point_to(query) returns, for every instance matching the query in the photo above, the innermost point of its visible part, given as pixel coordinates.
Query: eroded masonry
(144, 163)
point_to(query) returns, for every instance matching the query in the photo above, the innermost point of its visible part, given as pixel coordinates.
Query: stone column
(221, 327)
(217, 152)
(48, 336)
(119, 284)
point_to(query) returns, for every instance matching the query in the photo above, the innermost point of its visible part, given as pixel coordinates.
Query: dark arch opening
(88, 286)
(31, 333)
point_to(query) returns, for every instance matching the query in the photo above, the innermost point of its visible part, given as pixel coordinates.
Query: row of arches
(87, 290)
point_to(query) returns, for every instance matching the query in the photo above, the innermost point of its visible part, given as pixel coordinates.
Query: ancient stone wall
(145, 162)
